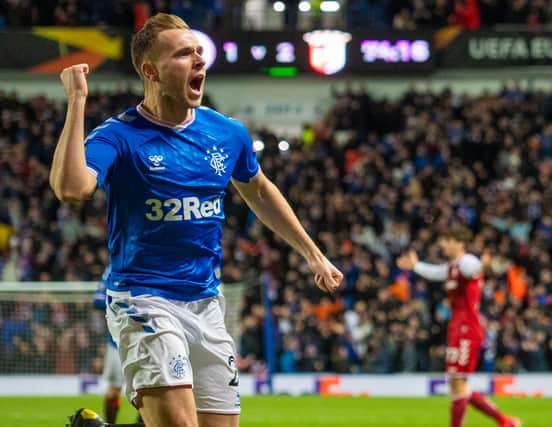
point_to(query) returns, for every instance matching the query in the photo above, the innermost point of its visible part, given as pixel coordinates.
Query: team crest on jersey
(156, 160)
(179, 366)
(216, 158)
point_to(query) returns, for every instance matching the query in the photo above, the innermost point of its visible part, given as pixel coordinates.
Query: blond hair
(459, 233)
(144, 40)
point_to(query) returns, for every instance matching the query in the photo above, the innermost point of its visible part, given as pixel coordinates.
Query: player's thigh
(458, 386)
(168, 407)
(218, 420)
(152, 344)
(213, 358)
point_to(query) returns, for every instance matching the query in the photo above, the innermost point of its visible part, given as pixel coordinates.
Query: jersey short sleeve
(469, 266)
(100, 155)
(247, 165)
(100, 293)
(433, 272)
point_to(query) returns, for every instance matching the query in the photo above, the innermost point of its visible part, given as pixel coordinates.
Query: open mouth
(196, 84)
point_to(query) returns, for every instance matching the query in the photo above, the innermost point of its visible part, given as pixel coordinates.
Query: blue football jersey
(99, 293)
(100, 298)
(165, 188)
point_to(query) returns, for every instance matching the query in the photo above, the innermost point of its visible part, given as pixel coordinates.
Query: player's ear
(149, 71)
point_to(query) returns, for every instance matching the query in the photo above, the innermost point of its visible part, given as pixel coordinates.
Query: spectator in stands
(517, 12)
(491, 12)
(216, 14)
(466, 14)
(403, 21)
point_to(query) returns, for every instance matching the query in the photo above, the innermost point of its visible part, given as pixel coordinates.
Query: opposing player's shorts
(165, 342)
(462, 354)
(112, 372)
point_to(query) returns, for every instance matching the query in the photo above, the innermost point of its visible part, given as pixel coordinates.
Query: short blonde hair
(144, 40)
(458, 232)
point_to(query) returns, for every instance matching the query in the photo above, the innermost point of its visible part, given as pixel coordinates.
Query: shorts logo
(178, 366)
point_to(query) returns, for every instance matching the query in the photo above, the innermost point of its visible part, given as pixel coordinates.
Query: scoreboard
(276, 53)
(323, 52)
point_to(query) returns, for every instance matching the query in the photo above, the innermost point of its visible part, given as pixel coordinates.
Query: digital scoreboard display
(323, 52)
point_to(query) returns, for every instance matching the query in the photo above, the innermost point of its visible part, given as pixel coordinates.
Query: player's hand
(408, 260)
(74, 81)
(326, 276)
(486, 258)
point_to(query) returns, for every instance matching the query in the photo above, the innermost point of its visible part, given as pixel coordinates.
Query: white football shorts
(112, 372)
(164, 342)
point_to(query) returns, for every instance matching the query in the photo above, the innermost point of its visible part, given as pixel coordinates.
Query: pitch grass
(287, 411)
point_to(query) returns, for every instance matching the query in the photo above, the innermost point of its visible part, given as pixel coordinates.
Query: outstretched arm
(270, 206)
(433, 272)
(70, 179)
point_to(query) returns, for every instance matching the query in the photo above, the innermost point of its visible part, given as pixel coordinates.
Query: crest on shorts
(179, 366)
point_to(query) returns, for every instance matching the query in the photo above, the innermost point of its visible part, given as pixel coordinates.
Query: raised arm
(433, 272)
(274, 211)
(70, 179)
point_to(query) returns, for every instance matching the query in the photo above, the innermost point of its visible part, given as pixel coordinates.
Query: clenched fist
(74, 81)
(326, 276)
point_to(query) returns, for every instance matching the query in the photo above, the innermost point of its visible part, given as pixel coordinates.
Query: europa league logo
(327, 53)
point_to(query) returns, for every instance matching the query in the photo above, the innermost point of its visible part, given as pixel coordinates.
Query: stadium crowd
(41, 240)
(124, 13)
(370, 180)
(232, 14)
(405, 170)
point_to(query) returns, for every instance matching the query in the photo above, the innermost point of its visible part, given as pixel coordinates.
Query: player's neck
(166, 111)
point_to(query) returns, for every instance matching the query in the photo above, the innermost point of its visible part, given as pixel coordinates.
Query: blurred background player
(463, 282)
(112, 371)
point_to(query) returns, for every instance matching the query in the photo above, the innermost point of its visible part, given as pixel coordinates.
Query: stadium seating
(406, 170)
